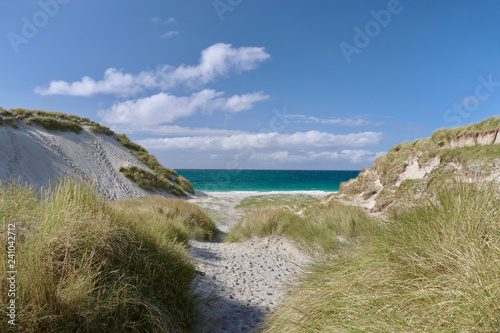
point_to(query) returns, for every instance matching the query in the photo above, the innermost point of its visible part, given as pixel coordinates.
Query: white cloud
(165, 108)
(245, 141)
(169, 34)
(114, 82)
(357, 121)
(216, 61)
(159, 20)
(352, 156)
(175, 130)
(239, 103)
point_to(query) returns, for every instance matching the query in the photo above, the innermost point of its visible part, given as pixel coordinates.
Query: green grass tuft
(185, 184)
(53, 124)
(98, 128)
(127, 143)
(11, 121)
(162, 175)
(151, 181)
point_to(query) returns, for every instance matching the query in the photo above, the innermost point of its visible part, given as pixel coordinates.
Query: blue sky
(256, 84)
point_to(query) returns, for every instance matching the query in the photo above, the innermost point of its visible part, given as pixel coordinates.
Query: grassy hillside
(434, 267)
(84, 265)
(449, 155)
(162, 179)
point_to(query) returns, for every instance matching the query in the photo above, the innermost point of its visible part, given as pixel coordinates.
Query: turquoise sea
(266, 180)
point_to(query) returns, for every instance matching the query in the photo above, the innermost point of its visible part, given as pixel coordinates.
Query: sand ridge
(34, 155)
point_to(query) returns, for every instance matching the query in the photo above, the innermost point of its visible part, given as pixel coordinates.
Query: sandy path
(243, 280)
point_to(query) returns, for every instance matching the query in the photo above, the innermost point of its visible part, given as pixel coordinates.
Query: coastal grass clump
(149, 160)
(185, 184)
(11, 121)
(167, 219)
(54, 124)
(98, 128)
(264, 222)
(176, 184)
(127, 143)
(84, 266)
(321, 227)
(146, 180)
(434, 267)
(286, 200)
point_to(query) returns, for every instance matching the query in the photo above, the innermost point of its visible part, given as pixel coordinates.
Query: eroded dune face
(34, 155)
(413, 171)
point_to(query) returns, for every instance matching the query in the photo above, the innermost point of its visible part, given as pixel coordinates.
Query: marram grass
(322, 227)
(433, 268)
(84, 265)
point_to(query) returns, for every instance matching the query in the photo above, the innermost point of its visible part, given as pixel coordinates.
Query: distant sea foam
(267, 180)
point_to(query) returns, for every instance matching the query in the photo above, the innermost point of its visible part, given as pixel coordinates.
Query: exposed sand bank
(34, 155)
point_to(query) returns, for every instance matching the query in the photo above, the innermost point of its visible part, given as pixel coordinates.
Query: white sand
(245, 280)
(34, 155)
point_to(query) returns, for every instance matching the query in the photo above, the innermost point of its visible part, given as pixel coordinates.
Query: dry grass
(167, 218)
(322, 227)
(434, 268)
(86, 266)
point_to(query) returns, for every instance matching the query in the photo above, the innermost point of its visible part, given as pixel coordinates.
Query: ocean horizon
(225, 180)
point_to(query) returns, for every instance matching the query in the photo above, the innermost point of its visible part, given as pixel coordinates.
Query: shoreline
(254, 193)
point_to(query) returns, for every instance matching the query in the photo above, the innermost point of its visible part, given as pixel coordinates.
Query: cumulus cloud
(165, 108)
(356, 121)
(216, 61)
(352, 156)
(245, 141)
(114, 82)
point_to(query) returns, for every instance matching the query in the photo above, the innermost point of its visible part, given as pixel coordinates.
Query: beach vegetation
(432, 267)
(84, 265)
(161, 173)
(127, 143)
(320, 227)
(54, 124)
(463, 151)
(98, 128)
(293, 201)
(185, 184)
(150, 181)
(11, 121)
(167, 219)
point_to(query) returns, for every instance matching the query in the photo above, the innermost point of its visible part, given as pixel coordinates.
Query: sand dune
(34, 155)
